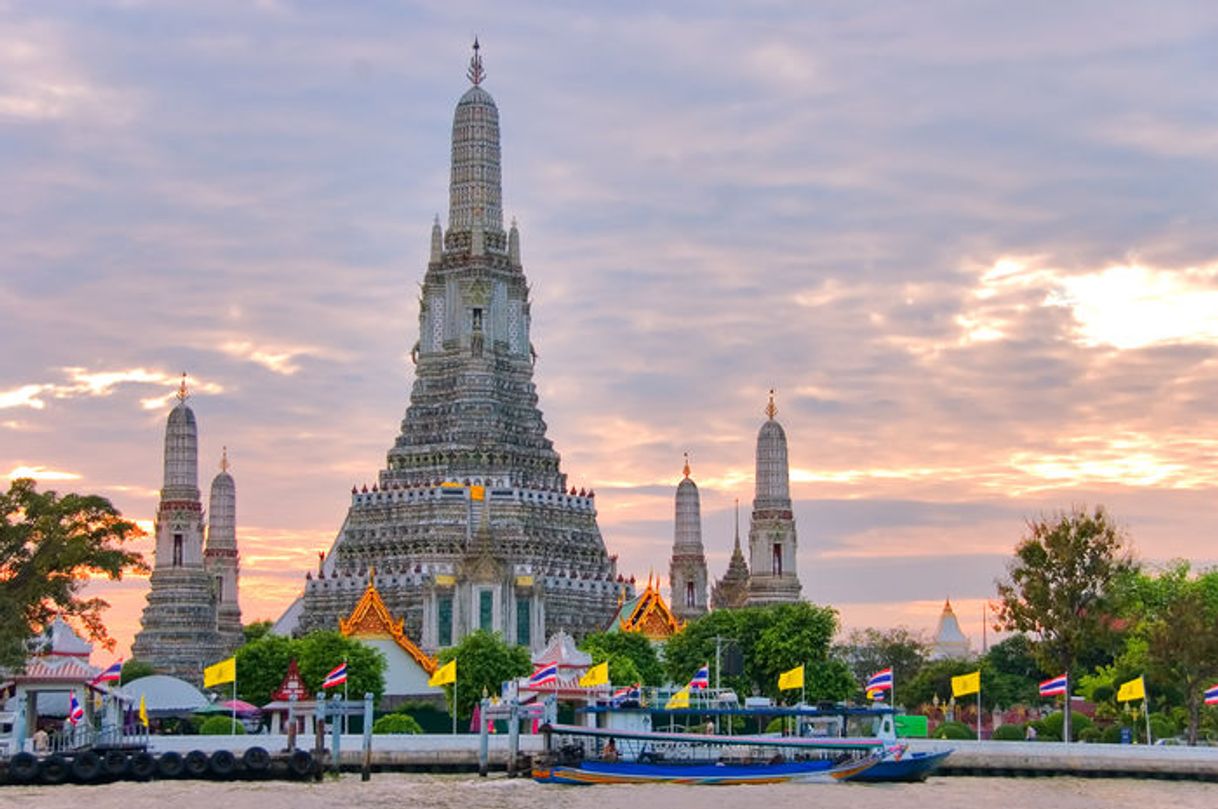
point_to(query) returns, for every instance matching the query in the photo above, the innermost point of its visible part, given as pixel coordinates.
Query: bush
(1009, 733)
(1091, 735)
(1162, 726)
(954, 730)
(396, 723)
(1052, 725)
(221, 726)
(1111, 735)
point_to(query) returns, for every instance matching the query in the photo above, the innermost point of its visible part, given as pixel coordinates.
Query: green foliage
(1091, 735)
(1014, 672)
(1064, 587)
(134, 669)
(632, 658)
(484, 662)
(1051, 725)
(396, 723)
(319, 652)
(954, 730)
(50, 548)
(256, 630)
(1009, 733)
(220, 725)
(1063, 584)
(776, 725)
(866, 651)
(935, 679)
(262, 664)
(772, 640)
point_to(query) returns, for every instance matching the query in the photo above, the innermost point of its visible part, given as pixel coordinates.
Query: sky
(973, 246)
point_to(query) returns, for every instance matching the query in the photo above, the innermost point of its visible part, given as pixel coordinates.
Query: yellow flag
(445, 674)
(966, 684)
(597, 675)
(143, 711)
(1134, 689)
(477, 492)
(678, 700)
(791, 679)
(223, 672)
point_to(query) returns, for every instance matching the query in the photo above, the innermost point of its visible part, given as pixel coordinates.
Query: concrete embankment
(423, 753)
(1085, 760)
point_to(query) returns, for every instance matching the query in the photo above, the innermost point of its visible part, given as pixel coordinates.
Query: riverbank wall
(1085, 760)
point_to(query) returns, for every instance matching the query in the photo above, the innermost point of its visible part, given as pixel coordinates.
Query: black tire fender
(170, 765)
(23, 768)
(143, 765)
(256, 760)
(115, 763)
(300, 764)
(54, 770)
(196, 764)
(222, 764)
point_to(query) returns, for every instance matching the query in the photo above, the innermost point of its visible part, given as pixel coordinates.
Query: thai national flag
(701, 678)
(110, 675)
(1054, 687)
(1211, 695)
(545, 674)
(75, 711)
(337, 676)
(880, 681)
(630, 692)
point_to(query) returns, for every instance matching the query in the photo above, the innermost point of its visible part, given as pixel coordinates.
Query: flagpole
(1067, 719)
(978, 707)
(346, 675)
(454, 702)
(1146, 709)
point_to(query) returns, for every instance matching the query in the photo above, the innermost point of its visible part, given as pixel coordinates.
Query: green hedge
(1009, 733)
(396, 723)
(221, 726)
(954, 730)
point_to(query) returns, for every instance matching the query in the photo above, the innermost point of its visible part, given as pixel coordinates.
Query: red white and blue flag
(545, 674)
(880, 681)
(1055, 687)
(75, 711)
(630, 692)
(337, 676)
(1211, 695)
(110, 675)
(701, 678)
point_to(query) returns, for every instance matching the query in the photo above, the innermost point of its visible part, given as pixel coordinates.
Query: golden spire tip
(686, 470)
(182, 393)
(771, 409)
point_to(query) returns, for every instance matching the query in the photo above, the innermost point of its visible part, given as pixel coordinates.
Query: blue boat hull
(709, 773)
(908, 768)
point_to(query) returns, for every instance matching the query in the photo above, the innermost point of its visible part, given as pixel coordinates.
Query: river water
(399, 791)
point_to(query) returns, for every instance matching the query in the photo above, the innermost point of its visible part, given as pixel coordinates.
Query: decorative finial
(686, 470)
(771, 409)
(371, 575)
(224, 459)
(475, 73)
(182, 394)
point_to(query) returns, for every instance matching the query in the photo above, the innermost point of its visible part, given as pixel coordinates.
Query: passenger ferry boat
(583, 755)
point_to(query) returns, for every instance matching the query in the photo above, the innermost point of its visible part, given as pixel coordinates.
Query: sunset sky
(972, 245)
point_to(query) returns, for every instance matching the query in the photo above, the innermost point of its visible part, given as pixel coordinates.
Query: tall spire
(182, 394)
(771, 409)
(224, 459)
(686, 469)
(181, 481)
(475, 196)
(475, 73)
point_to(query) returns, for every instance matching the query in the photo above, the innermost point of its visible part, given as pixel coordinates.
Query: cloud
(40, 473)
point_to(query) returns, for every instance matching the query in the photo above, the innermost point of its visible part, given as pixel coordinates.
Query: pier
(989, 758)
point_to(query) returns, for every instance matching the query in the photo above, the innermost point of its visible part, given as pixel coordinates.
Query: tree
(50, 547)
(317, 653)
(256, 630)
(484, 662)
(1176, 615)
(1014, 672)
(261, 665)
(134, 669)
(867, 651)
(1061, 586)
(772, 640)
(632, 658)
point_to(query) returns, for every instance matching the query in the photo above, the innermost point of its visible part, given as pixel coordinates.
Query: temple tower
(687, 568)
(178, 629)
(950, 641)
(774, 577)
(221, 558)
(732, 591)
(471, 523)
